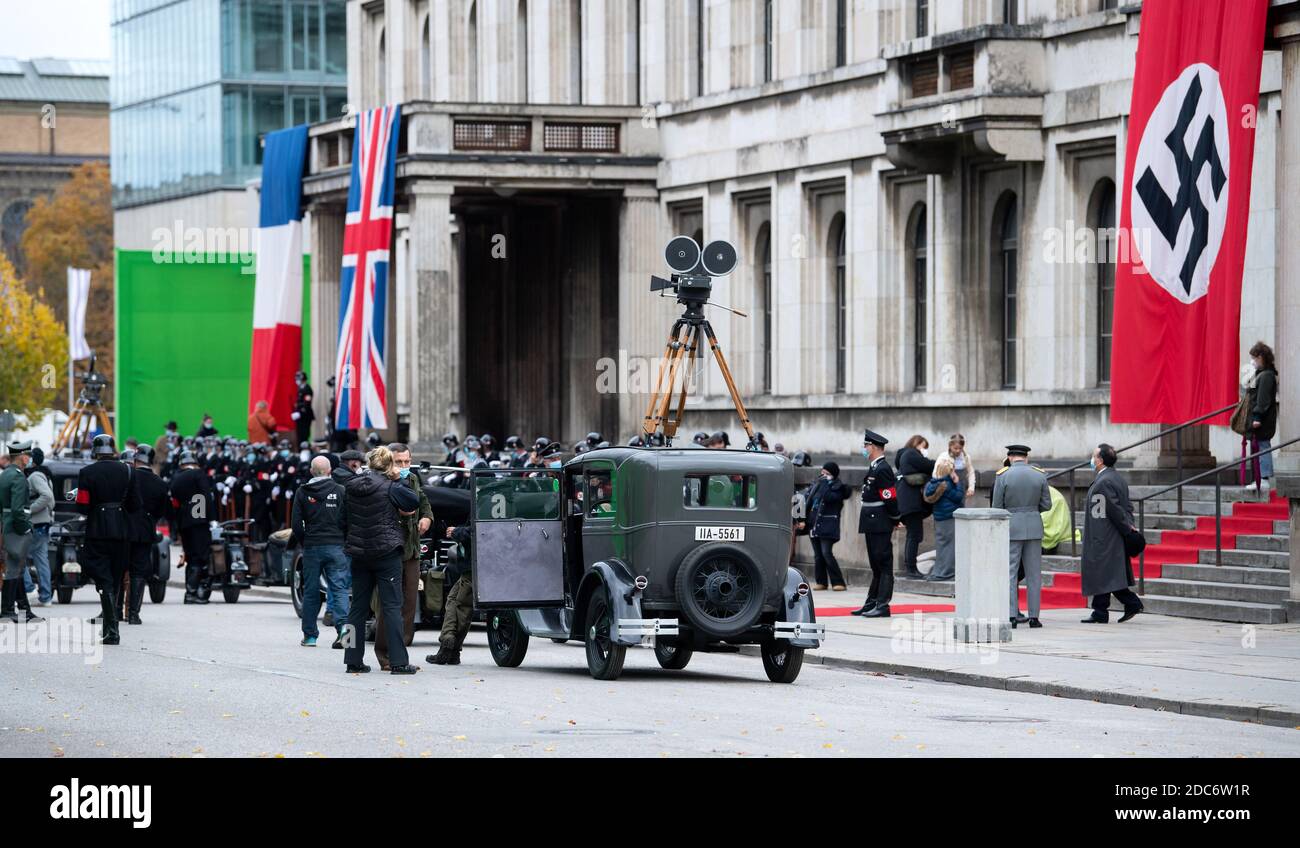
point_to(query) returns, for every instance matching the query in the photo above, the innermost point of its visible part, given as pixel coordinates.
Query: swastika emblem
(1180, 187)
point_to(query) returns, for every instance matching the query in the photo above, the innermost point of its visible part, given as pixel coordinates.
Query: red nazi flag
(1185, 207)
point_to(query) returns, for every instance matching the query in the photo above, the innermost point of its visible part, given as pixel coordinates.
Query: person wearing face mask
(914, 470)
(413, 527)
(1261, 423)
(876, 521)
(1105, 568)
(825, 502)
(206, 431)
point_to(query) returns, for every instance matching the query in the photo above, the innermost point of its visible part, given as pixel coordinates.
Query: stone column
(644, 319)
(326, 266)
(436, 300)
(983, 580)
(1287, 342)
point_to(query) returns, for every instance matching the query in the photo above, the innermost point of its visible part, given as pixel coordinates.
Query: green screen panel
(184, 339)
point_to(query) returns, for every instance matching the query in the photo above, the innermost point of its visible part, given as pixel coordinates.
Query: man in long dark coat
(1105, 569)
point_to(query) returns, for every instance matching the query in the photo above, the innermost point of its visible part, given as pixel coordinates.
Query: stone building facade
(915, 189)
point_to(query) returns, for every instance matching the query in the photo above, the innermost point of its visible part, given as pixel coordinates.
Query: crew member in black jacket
(106, 495)
(825, 502)
(153, 501)
(193, 506)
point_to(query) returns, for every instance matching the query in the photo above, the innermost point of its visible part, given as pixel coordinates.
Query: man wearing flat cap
(16, 523)
(1022, 490)
(876, 521)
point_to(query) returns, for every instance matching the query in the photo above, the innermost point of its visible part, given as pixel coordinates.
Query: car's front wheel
(230, 593)
(64, 594)
(507, 639)
(604, 656)
(157, 591)
(781, 661)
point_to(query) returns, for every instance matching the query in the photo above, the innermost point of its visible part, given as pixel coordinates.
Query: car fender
(614, 578)
(164, 548)
(799, 609)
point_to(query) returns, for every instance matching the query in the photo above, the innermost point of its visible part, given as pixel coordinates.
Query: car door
(517, 552)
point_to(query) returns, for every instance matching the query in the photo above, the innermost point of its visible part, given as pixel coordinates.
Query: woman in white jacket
(961, 462)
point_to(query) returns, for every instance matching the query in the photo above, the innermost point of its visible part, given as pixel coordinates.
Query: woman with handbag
(1256, 419)
(914, 470)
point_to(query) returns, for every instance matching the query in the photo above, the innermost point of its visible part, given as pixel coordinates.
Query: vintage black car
(682, 549)
(68, 530)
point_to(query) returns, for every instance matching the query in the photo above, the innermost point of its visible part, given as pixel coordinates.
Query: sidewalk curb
(1268, 715)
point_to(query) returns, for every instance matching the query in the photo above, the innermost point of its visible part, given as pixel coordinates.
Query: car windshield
(511, 497)
(720, 491)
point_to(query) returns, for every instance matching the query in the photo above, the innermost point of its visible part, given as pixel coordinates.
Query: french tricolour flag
(277, 302)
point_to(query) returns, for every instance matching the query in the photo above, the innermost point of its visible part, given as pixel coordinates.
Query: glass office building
(197, 83)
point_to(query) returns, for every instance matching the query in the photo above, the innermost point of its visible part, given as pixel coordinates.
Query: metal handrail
(1178, 429)
(1218, 507)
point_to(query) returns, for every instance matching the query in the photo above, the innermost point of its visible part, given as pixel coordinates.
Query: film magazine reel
(692, 282)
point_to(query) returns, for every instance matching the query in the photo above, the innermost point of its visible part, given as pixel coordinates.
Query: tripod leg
(731, 383)
(678, 354)
(649, 426)
(69, 429)
(693, 344)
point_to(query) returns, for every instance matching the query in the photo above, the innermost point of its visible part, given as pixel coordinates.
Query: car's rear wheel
(604, 657)
(673, 657)
(296, 586)
(507, 639)
(720, 590)
(157, 591)
(64, 595)
(781, 660)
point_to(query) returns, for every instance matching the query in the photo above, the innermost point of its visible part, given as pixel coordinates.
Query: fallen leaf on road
(305, 713)
(459, 738)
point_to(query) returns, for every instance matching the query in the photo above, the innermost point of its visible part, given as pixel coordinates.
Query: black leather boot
(191, 583)
(109, 629)
(7, 596)
(137, 600)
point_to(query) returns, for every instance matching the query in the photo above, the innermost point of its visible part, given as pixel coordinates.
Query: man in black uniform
(877, 520)
(152, 493)
(193, 506)
(106, 495)
(303, 415)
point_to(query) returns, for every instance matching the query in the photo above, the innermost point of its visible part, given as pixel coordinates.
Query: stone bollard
(983, 554)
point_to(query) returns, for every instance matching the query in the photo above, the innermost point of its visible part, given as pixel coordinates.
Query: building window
(841, 33)
(1107, 5)
(471, 49)
(764, 295)
(1011, 11)
(575, 50)
(381, 71)
(839, 233)
(769, 40)
(1006, 251)
(1103, 210)
(920, 257)
(426, 62)
(922, 18)
(699, 47)
(521, 50)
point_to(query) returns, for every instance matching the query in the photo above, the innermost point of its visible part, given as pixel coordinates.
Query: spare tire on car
(720, 590)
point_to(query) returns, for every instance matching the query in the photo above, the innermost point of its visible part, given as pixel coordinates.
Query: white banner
(78, 297)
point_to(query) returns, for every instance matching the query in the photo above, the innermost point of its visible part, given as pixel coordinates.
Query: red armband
(888, 494)
(83, 496)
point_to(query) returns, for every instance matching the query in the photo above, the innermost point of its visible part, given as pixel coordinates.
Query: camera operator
(376, 502)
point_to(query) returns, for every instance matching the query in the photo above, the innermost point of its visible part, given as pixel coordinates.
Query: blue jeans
(1265, 461)
(40, 557)
(338, 582)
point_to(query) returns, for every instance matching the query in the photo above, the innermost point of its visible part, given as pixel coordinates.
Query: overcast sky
(60, 29)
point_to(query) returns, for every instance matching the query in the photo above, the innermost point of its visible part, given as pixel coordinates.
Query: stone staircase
(1250, 586)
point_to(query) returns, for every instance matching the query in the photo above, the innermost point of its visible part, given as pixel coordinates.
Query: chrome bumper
(799, 630)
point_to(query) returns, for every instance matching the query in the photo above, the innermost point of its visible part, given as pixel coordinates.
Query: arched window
(763, 297)
(575, 50)
(839, 270)
(919, 242)
(426, 62)
(521, 50)
(381, 70)
(471, 45)
(769, 40)
(1006, 246)
(1102, 212)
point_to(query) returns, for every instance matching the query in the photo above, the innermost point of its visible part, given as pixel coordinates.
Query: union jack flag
(360, 374)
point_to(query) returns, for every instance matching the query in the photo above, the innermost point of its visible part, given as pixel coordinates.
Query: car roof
(687, 458)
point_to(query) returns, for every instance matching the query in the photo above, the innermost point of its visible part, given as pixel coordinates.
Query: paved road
(231, 680)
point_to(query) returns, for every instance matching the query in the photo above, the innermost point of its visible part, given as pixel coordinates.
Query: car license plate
(719, 534)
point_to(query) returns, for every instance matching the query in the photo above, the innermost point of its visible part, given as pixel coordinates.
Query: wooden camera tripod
(73, 433)
(678, 349)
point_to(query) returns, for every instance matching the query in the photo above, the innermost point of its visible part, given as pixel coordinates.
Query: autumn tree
(33, 348)
(74, 228)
